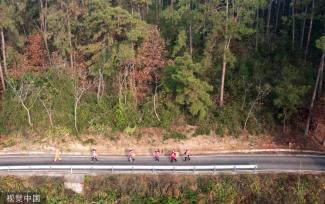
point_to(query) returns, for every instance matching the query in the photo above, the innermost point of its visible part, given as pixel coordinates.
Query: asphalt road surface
(265, 162)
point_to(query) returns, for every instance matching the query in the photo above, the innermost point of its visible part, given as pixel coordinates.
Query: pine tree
(188, 90)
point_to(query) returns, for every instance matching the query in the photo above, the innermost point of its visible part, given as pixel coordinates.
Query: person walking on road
(173, 156)
(94, 155)
(131, 155)
(156, 155)
(187, 154)
(57, 156)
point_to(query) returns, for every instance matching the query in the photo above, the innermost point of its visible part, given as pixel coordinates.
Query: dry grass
(144, 141)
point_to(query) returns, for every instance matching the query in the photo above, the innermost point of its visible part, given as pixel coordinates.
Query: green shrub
(130, 130)
(202, 130)
(169, 114)
(58, 132)
(230, 120)
(149, 118)
(8, 143)
(90, 141)
(98, 128)
(125, 115)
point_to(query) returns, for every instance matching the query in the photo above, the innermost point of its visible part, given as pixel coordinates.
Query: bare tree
(48, 109)
(26, 90)
(262, 92)
(78, 93)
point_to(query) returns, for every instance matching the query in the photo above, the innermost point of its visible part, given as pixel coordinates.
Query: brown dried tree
(148, 63)
(36, 51)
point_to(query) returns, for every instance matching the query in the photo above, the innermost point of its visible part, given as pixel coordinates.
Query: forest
(230, 66)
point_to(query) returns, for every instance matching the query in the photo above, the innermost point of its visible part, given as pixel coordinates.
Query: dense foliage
(228, 66)
(170, 189)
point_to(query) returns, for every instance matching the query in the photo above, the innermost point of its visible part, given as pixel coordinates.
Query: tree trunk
(43, 12)
(224, 67)
(154, 100)
(75, 116)
(284, 130)
(29, 118)
(224, 63)
(248, 115)
(100, 88)
(48, 111)
(28, 114)
(293, 25)
(131, 2)
(4, 53)
(283, 7)
(191, 40)
(140, 12)
(205, 14)
(70, 42)
(269, 10)
(321, 67)
(303, 29)
(257, 33)
(156, 11)
(310, 29)
(172, 9)
(161, 5)
(277, 17)
(190, 29)
(321, 74)
(2, 79)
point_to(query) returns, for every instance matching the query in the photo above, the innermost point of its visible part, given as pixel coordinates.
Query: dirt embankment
(146, 140)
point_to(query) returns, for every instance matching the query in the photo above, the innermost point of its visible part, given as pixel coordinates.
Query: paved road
(265, 162)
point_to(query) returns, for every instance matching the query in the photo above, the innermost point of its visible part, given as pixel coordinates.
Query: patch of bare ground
(146, 140)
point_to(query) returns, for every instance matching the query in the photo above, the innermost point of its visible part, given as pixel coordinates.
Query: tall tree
(225, 50)
(320, 43)
(188, 90)
(237, 24)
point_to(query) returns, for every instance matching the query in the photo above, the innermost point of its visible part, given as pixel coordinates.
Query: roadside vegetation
(85, 67)
(267, 188)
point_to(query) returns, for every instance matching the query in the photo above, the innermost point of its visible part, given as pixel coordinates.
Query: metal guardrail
(130, 167)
